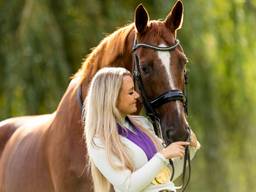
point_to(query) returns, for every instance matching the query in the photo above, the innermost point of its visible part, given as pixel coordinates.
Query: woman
(124, 153)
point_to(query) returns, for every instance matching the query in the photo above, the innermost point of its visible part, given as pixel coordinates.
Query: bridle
(168, 96)
(171, 95)
(150, 106)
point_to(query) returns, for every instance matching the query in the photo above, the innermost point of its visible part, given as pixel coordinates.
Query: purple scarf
(140, 139)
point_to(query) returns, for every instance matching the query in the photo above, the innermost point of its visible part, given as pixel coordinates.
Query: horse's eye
(145, 69)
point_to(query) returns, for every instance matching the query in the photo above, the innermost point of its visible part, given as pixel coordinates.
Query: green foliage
(222, 91)
(43, 43)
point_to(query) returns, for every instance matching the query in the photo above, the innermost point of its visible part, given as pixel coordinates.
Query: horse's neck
(68, 122)
(68, 115)
(113, 51)
(65, 134)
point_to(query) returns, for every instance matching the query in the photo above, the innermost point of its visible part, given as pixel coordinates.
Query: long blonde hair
(100, 119)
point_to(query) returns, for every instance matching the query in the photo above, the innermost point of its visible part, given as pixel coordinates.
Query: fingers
(181, 148)
(182, 143)
(176, 149)
(181, 153)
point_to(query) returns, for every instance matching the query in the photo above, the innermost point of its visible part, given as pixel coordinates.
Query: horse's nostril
(168, 134)
(172, 134)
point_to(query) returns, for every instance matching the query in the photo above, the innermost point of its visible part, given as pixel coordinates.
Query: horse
(47, 153)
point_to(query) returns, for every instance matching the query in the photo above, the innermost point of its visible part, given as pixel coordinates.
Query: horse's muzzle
(171, 135)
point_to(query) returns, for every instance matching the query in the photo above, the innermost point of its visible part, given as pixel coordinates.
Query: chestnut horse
(47, 153)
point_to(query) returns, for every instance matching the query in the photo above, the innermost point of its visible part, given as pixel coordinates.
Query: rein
(171, 95)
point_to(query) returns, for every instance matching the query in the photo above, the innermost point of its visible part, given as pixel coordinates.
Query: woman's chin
(135, 110)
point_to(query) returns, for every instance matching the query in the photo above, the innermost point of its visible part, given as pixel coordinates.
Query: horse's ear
(174, 19)
(141, 19)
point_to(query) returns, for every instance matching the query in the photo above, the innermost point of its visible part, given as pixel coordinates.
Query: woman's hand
(176, 149)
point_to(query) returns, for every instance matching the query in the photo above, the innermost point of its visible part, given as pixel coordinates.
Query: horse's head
(160, 62)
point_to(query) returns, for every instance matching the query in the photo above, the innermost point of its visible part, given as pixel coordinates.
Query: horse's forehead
(158, 33)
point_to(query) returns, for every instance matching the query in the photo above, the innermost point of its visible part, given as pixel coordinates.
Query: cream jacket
(140, 180)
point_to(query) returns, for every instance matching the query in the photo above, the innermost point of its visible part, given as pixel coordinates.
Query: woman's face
(127, 98)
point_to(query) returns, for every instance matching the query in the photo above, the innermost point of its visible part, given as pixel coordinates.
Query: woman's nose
(136, 95)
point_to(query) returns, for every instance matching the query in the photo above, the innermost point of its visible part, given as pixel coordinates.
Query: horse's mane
(105, 53)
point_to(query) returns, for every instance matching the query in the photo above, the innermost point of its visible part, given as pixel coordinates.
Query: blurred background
(43, 42)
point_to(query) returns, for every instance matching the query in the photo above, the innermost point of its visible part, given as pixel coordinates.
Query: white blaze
(165, 57)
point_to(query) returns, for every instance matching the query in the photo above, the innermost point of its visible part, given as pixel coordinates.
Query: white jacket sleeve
(125, 180)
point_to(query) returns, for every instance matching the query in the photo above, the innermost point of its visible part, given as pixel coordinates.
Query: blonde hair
(100, 119)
